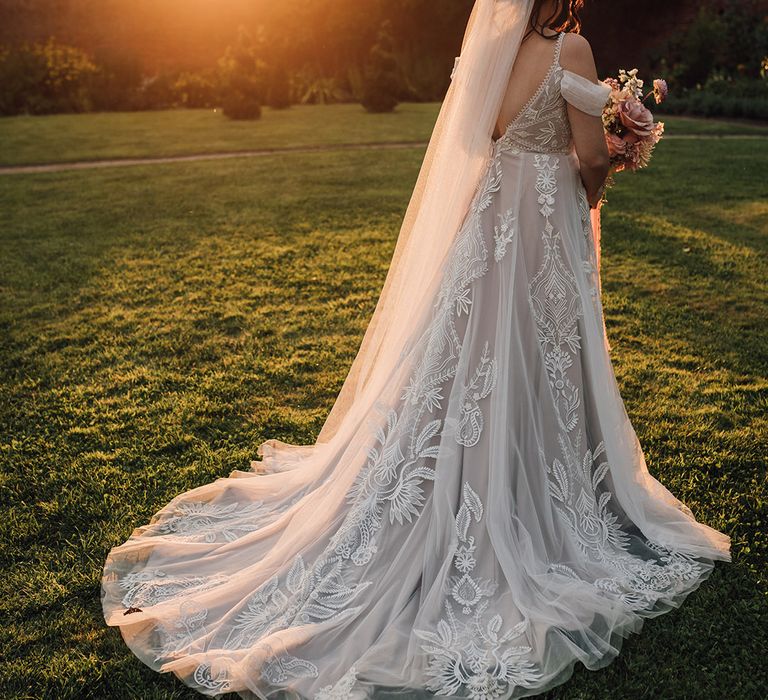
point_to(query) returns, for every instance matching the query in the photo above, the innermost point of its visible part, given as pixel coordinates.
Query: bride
(476, 515)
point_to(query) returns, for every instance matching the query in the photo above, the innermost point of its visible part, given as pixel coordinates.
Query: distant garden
(716, 63)
(50, 77)
(718, 67)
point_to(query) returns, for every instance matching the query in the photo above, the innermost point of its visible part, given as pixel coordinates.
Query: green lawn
(66, 137)
(159, 322)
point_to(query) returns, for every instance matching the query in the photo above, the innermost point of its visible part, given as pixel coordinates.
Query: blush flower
(636, 117)
(630, 131)
(660, 90)
(617, 146)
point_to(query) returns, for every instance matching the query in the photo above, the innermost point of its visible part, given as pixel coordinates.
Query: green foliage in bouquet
(381, 82)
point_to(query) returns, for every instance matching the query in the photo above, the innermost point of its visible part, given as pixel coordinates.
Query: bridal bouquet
(630, 132)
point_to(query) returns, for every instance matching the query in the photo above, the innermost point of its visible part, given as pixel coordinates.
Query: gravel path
(263, 152)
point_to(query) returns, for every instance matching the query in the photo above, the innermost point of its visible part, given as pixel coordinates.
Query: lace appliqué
(309, 595)
(542, 125)
(152, 586)
(397, 462)
(480, 386)
(588, 258)
(204, 678)
(278, 669)
(209, 522)
(390, 484)
(586, 226)
(472, 655)
(503, 233)
(181, 633)
(575, 481)
(555, 302)
(341, 690)
(575, 487)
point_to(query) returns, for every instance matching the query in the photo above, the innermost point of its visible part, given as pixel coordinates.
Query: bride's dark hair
(564, 17)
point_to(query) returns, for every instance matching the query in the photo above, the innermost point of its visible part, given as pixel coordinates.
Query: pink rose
(660, 90)
(631, 138)
(617, 146)
(635, 116)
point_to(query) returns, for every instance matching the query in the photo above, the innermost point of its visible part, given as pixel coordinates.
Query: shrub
(279, 92)
(381, 85)
(45, 78)
(237, 105)
(721, 97)
(196, 90)
(156, 92)
(730, 40)
(243, 81)
(313, 88)
(116, 84)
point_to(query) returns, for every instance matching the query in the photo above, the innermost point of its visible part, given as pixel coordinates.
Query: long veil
(453, 164)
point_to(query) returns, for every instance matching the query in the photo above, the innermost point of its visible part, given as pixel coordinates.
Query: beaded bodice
(542, 126)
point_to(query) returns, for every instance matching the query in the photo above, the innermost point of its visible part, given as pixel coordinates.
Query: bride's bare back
(531, 66)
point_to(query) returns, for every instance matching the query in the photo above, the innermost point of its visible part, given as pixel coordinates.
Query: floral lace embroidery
(542, 125)
(152, 586)
(396, 465)
(341, 690)
(197, 520)
(181, 632)
(575, 483)
(588, 259)
(471, 655)
(503, 234)
(480, 386)
(204, 678)
(396, 468)
(278, 669)
(311, 595)
(584, 211)
(639, 583)
(555, 301)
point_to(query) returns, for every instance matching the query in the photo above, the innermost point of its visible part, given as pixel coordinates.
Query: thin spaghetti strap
(559, 46)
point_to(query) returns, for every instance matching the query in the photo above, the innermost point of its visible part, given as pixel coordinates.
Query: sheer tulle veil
(458, 150)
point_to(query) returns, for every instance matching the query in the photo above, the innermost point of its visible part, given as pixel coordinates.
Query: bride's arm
(588, 134)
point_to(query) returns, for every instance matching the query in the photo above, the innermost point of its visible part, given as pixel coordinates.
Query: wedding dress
(489, 521)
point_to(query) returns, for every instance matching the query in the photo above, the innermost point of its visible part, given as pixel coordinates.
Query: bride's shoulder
(576, 56)
(576, 44)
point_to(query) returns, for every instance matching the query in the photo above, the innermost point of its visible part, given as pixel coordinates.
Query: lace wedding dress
(489, 524)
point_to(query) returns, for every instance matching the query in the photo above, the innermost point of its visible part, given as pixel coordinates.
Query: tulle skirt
(482, 519)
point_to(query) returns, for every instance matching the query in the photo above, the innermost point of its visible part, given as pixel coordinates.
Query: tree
(243, 79)
(381, 83)
(45, 78)
(279, 96)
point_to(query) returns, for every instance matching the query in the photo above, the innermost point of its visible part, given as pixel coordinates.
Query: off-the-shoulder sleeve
(455, 66)
(583, 94)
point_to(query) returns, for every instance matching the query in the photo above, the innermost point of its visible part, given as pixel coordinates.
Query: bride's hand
(596, 198)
